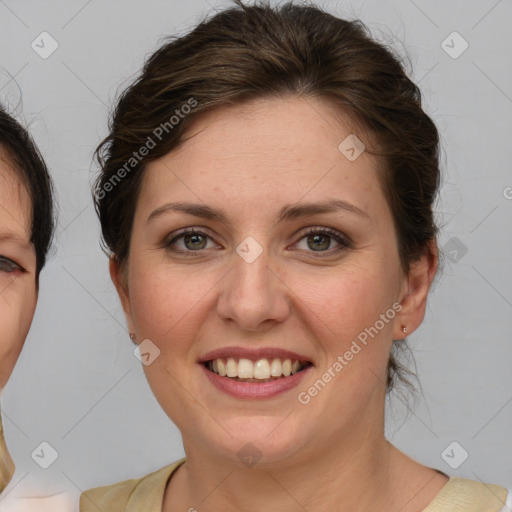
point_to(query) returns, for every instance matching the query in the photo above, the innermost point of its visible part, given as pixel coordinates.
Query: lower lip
(239, 389)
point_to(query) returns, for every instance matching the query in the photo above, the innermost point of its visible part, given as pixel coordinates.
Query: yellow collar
(147, 493)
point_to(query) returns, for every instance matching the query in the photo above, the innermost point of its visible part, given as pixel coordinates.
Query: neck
(352, 467)
(361, 473)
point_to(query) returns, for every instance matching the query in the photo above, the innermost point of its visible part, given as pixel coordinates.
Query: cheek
(351, 315)
(350, 299)
(17, 309)
(166, 304)
(167, 309)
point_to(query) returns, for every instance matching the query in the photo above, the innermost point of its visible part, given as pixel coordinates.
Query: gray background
(77, 384)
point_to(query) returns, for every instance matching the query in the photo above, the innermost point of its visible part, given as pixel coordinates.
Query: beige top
(6, 463)
(147, 494)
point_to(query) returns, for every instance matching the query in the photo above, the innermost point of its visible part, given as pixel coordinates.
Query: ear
(413, 298)
(120, 282)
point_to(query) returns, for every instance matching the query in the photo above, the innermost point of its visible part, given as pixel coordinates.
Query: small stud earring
(404, 329)
(132, 337)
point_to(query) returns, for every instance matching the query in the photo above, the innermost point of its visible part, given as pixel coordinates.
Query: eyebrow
(13, 237)
(289, 212)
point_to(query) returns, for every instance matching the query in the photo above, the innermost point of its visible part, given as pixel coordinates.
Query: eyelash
(344, 241)
(12, 266)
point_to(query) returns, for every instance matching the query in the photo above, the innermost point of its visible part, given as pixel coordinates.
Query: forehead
(15, 202)
(271, 150)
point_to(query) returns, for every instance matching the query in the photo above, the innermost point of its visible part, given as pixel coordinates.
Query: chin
(265, 441)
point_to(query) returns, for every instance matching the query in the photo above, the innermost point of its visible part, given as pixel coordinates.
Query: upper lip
(252, 353)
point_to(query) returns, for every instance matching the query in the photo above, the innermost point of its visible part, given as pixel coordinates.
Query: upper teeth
(260, 369)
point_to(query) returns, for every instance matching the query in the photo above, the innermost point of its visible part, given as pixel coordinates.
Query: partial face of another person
(272, 281)
(18, 293)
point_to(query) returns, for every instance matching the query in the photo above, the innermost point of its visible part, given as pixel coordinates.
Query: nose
(253, 295)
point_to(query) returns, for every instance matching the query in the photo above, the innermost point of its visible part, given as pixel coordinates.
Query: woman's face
(258, 287)
(18, 293)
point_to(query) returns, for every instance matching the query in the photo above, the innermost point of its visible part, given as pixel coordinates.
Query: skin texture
(18, 293)
(250, 161)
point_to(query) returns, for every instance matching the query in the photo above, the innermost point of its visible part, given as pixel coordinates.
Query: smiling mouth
(261, 370)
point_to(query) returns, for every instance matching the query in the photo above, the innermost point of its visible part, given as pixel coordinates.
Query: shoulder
(465, 495)
(110, 497)
(128, 494)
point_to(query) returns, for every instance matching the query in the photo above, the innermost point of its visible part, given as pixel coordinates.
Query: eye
(319, 240)
(193, 240)
(7, 265)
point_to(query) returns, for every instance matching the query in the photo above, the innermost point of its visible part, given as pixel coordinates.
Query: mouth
(259, 370)
(255, 373)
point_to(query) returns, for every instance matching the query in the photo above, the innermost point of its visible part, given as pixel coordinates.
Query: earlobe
(414, 301)
(119, 280)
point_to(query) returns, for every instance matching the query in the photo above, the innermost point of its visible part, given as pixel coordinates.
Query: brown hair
(249, 52)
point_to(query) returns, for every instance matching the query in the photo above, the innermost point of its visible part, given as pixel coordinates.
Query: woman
(266, 197)
(26, 227)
